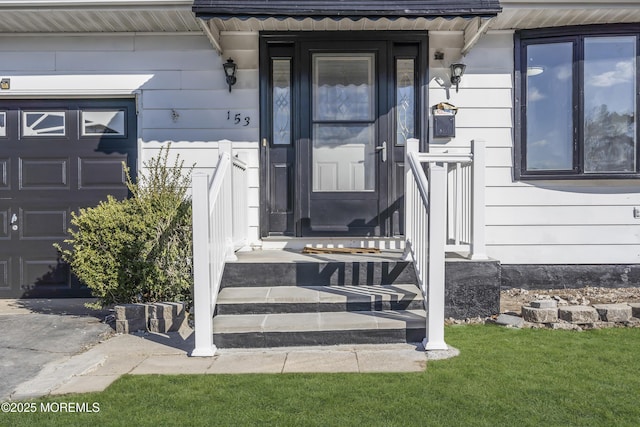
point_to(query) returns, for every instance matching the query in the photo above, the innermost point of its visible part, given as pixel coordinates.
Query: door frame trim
(296, 39)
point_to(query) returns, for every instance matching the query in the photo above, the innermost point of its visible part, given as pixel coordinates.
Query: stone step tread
(317, 322)
(319, 294)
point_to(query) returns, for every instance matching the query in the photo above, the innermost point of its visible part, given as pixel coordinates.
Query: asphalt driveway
(37, 333)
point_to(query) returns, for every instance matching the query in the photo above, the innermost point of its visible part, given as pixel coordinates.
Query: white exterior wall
(531, 222)
(172, 72)
(534, 222)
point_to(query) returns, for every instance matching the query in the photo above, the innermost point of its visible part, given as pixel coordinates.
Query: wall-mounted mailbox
(444, 126)
(444, 120)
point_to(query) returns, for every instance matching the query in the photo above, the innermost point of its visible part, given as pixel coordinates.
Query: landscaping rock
(163, 326)
(560, 300)
(634, 322)
(510, 321)
(540, 315)
(544, 303)
(131, 318)
(166, 310)
(614, 312)
(563, 326)
(131, 326)
(635, 309)
(578, 314)
(131, 311)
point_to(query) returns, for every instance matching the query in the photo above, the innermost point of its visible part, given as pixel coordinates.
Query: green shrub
(138, 249)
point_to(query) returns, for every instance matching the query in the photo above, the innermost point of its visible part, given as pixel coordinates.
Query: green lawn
(503, 377)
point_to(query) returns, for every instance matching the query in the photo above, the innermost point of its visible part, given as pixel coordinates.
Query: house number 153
(238, 119)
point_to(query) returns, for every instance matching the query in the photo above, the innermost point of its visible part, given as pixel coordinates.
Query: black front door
(343, 144)
(336, 115)
(55, 157)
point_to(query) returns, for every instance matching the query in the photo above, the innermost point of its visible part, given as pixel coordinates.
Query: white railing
(444, 211)
(465, 200)
(219, 227)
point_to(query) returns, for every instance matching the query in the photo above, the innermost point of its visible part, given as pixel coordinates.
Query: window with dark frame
(578, 99)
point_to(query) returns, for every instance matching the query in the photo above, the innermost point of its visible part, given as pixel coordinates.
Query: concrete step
(324, 328)
(304, 299)
(282, 268)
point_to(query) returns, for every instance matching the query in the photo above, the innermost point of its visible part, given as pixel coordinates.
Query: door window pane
(549, 100)
(103, 123)
(610, 104)
(343, 86)
(344, 157)
(343, 129)
(43, 123)
(405, 100)
(281, 84)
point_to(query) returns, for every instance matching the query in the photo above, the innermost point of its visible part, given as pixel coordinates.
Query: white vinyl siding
(542, 222)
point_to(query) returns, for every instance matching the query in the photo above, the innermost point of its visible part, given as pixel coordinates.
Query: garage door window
(103, 122)
(43, 123)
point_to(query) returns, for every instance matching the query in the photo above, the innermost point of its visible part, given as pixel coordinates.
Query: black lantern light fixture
(230, 68)
(457, 71)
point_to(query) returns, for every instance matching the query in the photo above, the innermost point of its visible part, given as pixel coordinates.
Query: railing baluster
(478, 242)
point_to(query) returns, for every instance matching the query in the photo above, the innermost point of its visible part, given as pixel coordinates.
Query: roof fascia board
(353, 9)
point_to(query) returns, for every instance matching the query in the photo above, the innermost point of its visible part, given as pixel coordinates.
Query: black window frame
(577, 35)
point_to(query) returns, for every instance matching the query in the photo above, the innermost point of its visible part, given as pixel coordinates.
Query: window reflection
(41, 123)
(609, 111)
(104, 122)
(549, 106)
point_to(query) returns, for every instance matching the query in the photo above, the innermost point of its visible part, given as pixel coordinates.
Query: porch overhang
(347, 15)
(352, 9)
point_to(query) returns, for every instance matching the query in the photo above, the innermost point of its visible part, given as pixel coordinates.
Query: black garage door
(56, 156)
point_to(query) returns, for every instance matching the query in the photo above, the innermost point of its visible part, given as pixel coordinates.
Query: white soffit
(346, 24)
(86, 16)
(528, 14)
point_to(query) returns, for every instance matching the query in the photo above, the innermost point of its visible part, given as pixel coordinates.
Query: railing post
(478, 250)
(227, 194)
(240, 206)
(202, 298)
(437, 178)
(412, 146)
